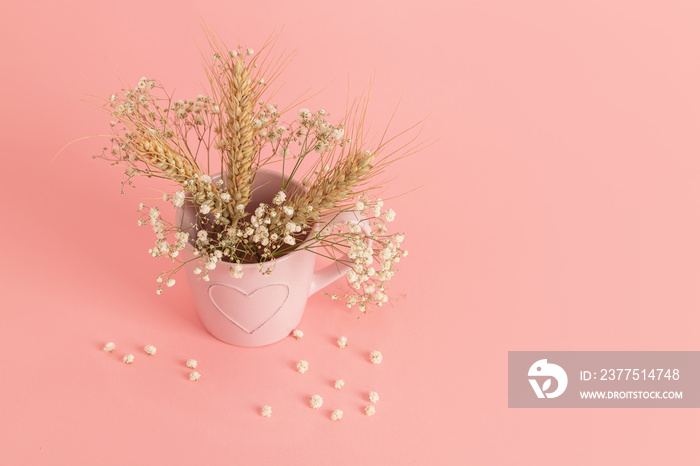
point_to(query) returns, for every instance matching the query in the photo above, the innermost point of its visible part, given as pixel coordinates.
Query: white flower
(170, 282)
(250, 51)
(316, 401)
(288, 210)
(360, 205)
(226, 197)
(297, 334)
(289, 239)
(236, 271)
(279, 198)
(339, 384)
(129, 358)
(369, 410)
(266, 411)
(195, 375)
(109, 347)
(150, 349)
(343, 342)
(179, 198)
(375, 356)
(191, 363)
(204, 209)
(197, 270)
(390, 215)
(206, 179)
(337, 415)
(373, 397)
(302, 366)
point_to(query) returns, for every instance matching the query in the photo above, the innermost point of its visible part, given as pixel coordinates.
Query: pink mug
(256, 309)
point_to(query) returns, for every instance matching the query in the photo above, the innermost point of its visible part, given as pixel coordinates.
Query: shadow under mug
(256, 309)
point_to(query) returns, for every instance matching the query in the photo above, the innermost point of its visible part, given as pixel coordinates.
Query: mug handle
(332, 272)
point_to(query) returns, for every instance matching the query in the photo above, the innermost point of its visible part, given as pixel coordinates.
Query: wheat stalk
(157, 154)
(332, 188)
(238, 133)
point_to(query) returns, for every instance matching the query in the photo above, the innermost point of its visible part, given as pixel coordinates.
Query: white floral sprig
(375, 357)
(302, 366)
(316, 401)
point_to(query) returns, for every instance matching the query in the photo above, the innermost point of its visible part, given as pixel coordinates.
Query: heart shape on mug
(249, 311)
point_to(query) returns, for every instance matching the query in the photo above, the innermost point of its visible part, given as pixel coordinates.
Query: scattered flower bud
(369, 410)
(129, 358)
(337, 415)
(316, 401)
(195, 375)
(109, 347)
(339, 384)
(375, 356)
(191, 363)
(266, 411)
(150, 349)
(302, 366)
(373, 397)
(298, 334)
(343, 342)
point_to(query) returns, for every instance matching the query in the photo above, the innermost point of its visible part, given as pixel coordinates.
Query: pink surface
(560, 211)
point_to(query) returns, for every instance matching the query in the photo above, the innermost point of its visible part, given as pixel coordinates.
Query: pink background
(560, 211)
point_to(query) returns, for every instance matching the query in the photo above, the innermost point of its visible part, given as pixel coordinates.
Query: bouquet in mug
(211, 148)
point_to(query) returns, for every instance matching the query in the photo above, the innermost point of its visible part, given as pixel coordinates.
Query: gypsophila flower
(266, 411)
(337, 415)
(302, 366)
(370, 410)
(191, 363)
(373, 397)
(279, 198)
(236, 271)
(170, 282)
(343, 342)
(204, 209)
(195, 376)
(339, 384)
(375, 356)
(150, 349)
(226, 197)
(109, 347)
(179, 198)
(129, 358)
(316, 401)
(297, 334)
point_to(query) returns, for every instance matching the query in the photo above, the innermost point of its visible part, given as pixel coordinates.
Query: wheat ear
(327, 191)
(159, 155)
(239, 134)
